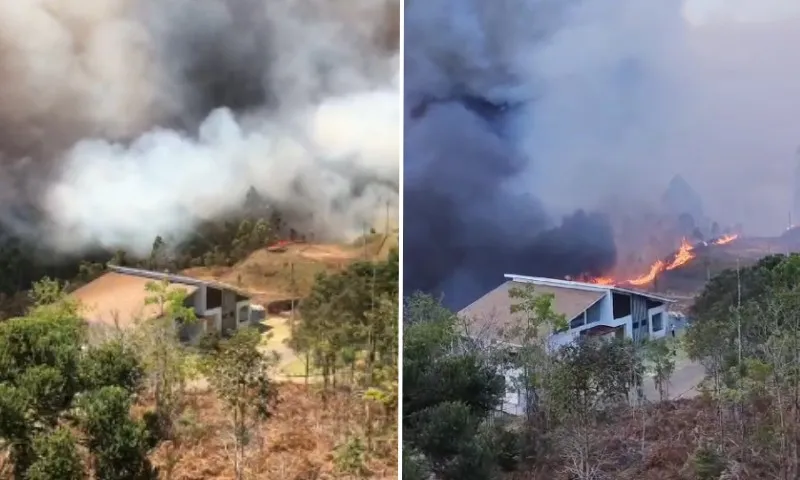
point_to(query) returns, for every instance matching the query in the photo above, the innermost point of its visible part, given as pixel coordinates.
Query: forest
(586, 417)
(212, 243)
(137, 404)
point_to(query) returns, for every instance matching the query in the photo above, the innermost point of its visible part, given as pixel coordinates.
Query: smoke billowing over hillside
(121, 120)
(520, 113)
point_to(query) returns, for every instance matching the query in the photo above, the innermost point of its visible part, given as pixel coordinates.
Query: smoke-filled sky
(121, 120)
(520, 112)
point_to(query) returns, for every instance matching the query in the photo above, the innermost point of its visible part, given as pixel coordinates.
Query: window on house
(658, 322)
(244, 314)
(577, 321)
(645, 323)
(213, 298)
(621, 305)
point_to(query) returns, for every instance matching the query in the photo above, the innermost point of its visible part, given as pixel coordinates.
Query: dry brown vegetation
(278, 275)
(659, 443)
(692, 277)
(297, 443)
(300, 440)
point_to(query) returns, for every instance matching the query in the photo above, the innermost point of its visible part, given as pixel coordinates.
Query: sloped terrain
(690, 278)
(299, 441)
(280, 274)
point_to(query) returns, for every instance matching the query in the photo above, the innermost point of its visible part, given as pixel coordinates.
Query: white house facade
(119, 298)
(593, 310)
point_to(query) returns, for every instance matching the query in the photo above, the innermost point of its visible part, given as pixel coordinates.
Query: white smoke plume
(575, 103)
(127, 119)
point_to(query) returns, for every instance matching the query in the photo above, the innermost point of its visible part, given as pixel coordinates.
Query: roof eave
(584, 286)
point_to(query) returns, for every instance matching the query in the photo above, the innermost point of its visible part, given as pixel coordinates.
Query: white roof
(553, 282)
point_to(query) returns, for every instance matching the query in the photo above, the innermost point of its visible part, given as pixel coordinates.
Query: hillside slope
(280, 274)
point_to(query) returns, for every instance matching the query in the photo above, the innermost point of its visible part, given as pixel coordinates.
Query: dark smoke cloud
(520, 113)
(125, 119)
(463, 230)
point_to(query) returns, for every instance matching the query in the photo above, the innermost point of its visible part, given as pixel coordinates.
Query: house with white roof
(591, 310)
(119, 299)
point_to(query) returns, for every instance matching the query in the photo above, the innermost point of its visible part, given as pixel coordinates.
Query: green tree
(45, 366)
(448, 395)
(118, 443)
(660, 354)
(39, 355)
(56, 456)
(164, 358)
(529, 352)
(114, 363)
(339, 324)
(587, 379)
(240, 376)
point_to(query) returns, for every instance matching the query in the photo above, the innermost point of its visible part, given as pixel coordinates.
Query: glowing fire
(725, 239)
(655, 269)
(684, 255)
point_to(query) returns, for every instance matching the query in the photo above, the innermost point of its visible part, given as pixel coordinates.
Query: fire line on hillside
(681, 257)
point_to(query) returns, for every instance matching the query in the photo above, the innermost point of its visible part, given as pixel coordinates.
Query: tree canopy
(52, 381)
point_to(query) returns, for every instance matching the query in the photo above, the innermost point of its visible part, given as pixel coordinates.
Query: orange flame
(725, 239)
(655, 269)
(684, 255)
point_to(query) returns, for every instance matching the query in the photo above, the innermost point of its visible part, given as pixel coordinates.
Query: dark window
(577, 322)
(644, 324)
(653, 304)
(213, 298)
(594, 313)
(621, 305)
(658, 322)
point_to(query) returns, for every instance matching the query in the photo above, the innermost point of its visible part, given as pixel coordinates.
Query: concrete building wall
(228, 310)
(243, 317)
(665, 323)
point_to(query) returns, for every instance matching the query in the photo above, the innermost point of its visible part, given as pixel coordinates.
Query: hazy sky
(631, 93)
(700, 12)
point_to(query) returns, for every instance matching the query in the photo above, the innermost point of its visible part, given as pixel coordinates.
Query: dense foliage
(51, 385)
(350, 320)
(66, 398)
(585, 416)
(455, 386)
(447, 397)
(746, 332)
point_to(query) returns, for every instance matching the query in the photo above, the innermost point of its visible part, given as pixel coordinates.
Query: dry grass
(657, 445)
(297, 443)
(269, 275)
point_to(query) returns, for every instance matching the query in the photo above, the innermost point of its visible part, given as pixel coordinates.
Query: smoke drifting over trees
(125, 119)
(521, 113)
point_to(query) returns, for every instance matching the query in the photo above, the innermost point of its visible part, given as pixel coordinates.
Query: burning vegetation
(686, 253)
